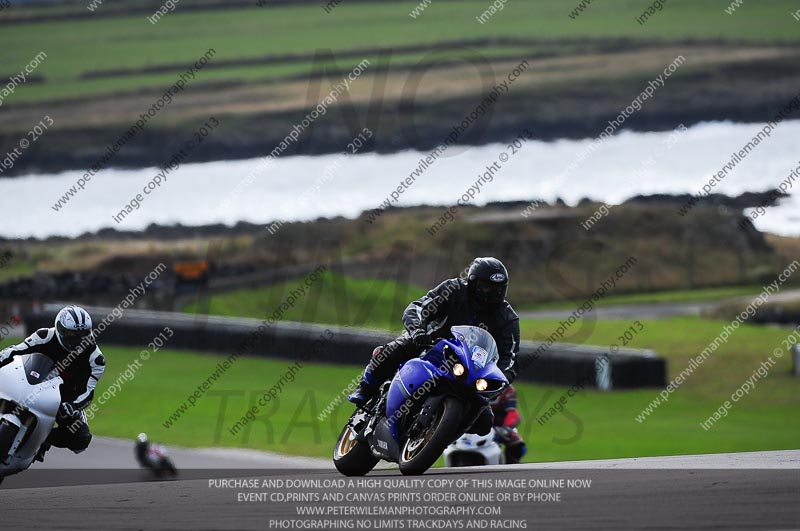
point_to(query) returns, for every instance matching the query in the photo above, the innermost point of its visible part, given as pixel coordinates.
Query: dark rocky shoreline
(558, 112)
(241, 228)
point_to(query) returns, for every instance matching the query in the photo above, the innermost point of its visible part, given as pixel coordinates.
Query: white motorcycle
(29, 402)
(474, 450)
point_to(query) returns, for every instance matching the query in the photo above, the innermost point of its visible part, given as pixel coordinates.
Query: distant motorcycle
(431, 401)
(29, 401)
(474, 450)
(153, 457)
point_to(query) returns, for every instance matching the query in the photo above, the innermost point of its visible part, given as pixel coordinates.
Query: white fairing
(42, 400)
(155, 453)
(478, 449)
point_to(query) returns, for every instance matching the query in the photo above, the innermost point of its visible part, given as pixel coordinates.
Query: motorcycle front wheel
(352, 457)
(420, 453)
(8, 433)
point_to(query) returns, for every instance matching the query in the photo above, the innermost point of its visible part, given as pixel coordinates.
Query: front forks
(425, 417)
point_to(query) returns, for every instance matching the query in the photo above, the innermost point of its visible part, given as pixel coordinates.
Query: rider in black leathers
(479, 301)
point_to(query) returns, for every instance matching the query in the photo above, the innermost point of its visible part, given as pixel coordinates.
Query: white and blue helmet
(73, 324)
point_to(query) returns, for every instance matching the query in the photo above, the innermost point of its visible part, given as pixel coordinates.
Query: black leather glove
(421, 338)
(68, 412)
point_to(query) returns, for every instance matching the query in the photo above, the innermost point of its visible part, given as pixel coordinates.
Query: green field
(334, 299)
(595, 425)
(15, 268)
(693, 295)
(77, 46)
(379, 303)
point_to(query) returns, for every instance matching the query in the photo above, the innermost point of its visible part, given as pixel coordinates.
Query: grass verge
(334, 299)
(671, 296)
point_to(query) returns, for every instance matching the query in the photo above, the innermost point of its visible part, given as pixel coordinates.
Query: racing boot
(369, 383)
(515, 452)
(42, 450)
(363, 393)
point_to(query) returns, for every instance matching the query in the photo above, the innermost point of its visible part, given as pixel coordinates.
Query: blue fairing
(413, 374)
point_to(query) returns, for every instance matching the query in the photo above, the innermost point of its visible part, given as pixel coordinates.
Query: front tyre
(420, 453)
(352, 457)
(8, 434)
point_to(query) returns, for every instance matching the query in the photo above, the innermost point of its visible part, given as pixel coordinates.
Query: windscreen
(37, 367)
(481, 344)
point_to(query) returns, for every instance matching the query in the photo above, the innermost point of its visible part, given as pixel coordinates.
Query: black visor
(71, 338)
(490, 292)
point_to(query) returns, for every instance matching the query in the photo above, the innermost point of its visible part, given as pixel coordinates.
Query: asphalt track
(716, 492)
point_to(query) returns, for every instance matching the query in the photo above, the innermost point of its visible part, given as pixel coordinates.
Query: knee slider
(80, 442)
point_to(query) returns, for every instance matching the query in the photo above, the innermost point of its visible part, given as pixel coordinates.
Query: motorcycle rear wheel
(352, 457)
(420, 453)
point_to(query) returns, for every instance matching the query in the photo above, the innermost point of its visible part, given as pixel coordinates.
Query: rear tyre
(352, 457)
(420, 453)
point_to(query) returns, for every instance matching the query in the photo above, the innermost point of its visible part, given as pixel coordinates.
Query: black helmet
(487, 279)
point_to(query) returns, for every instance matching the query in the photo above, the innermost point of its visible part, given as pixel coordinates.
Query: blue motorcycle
(430, 402)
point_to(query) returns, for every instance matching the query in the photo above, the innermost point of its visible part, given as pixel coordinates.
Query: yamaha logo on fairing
(497, 277)
(383, 444)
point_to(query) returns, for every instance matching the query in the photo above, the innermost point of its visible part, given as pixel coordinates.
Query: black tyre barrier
(562, 364)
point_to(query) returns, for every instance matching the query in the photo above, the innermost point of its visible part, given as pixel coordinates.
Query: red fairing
(512, 419)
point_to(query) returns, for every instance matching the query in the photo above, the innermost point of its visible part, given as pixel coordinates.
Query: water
(199, 194)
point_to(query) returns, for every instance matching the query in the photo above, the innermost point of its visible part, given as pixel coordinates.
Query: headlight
(458, 369)
(481, 384)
